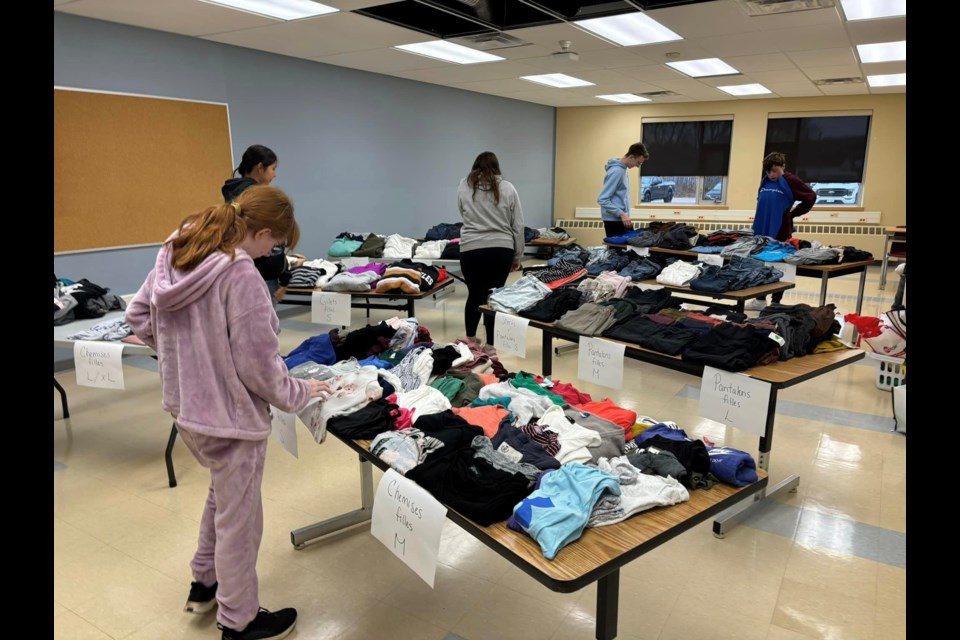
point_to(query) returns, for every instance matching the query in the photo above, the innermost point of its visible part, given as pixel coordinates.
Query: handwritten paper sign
(330, 308)
(601, 362)
(789, 270)
(640, 251)
(710, 258)
(510, 333)
(354, 262)
(98, 364)
(734, 399)
(283, 427)
(408, 521)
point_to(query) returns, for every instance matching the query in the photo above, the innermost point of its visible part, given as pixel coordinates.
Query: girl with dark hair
(259, 166)
(491, 240)
(206, 312)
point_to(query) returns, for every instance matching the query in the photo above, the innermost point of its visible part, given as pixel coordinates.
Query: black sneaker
(201, 598)
(268, 625)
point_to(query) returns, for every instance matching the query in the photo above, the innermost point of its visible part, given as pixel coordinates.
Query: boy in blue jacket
(614, 198)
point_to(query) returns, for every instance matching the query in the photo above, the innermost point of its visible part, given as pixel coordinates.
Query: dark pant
(776, 297)
(483, 270)
(615, 228)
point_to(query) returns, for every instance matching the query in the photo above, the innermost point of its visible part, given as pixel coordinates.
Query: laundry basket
(888, 372)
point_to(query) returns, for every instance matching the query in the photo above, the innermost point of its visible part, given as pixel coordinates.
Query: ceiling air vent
(490, 41)
(658, 94)
(832, 81)
(754, 8)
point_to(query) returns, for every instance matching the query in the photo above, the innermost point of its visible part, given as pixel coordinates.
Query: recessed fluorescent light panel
(629, 29)
(888, 80)
(559, 80)
(882, 51)
(280, 9)
(448, 52)
(745, 89)
(624, 98)
(703, 68)
(870, 9)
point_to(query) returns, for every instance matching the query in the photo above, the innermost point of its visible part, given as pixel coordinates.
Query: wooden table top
(781, 374)
(548, 242)
(599, 550)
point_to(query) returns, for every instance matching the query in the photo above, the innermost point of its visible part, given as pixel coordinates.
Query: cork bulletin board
(127, 169)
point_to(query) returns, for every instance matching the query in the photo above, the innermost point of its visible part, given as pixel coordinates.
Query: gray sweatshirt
(486, 224)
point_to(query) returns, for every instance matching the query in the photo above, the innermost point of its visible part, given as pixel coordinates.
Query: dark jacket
(274, 266)
(807, 197)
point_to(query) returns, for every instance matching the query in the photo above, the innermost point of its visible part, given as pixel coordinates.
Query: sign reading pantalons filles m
(734, 399)
(601, 362)
(408, 521)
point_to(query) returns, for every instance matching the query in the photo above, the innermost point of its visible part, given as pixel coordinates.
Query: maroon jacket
(807, 197)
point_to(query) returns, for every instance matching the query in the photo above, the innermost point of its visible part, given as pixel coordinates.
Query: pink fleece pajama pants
(232, 523)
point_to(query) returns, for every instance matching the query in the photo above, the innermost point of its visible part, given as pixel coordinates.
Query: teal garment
(524, 380)
(448, 386)
(556, 513)
(344, 247)
(503, 402)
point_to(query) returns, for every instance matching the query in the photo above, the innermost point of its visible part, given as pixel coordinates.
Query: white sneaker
(756, 304)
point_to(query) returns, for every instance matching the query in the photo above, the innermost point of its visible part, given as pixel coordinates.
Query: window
(828, 153)
(705, 190)
(688, 162)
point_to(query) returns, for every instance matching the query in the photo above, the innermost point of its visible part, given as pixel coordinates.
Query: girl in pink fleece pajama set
(207, 313)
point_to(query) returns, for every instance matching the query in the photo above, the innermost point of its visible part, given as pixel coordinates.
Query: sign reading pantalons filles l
(734, 399)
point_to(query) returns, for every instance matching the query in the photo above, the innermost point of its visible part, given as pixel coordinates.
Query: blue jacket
(774, 200)
(614, 197)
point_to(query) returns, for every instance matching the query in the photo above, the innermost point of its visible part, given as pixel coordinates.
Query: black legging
(483, 270)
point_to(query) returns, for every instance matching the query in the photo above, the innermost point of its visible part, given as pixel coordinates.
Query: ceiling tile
(187, 17)
(653, 73)
(794, 19)
(845, 89)
(783, 75)
(823, 57)
(841, 71)
(462, 73)
(705, 19)
(765, 62)
(879, 68)
(380, 61)
(321, 36)
(871, 31)
(808, 38)
(756, 43)
(794, 89)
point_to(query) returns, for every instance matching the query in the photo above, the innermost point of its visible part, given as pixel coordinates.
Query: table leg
(168, 456)
(546, 358)
(411, 313)
(299, 537)
(63, 398)
(863, 283)
(823, 288)
(608, 600)
(742, 511)
(886, 256)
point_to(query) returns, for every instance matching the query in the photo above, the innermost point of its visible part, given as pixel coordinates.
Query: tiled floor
(827, 562)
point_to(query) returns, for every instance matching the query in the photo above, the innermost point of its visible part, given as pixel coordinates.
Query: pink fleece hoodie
(215, 334)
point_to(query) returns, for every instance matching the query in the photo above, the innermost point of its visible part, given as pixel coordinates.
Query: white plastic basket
(888, 372)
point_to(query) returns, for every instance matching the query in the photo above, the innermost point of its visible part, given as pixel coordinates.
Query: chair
(895, 248)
